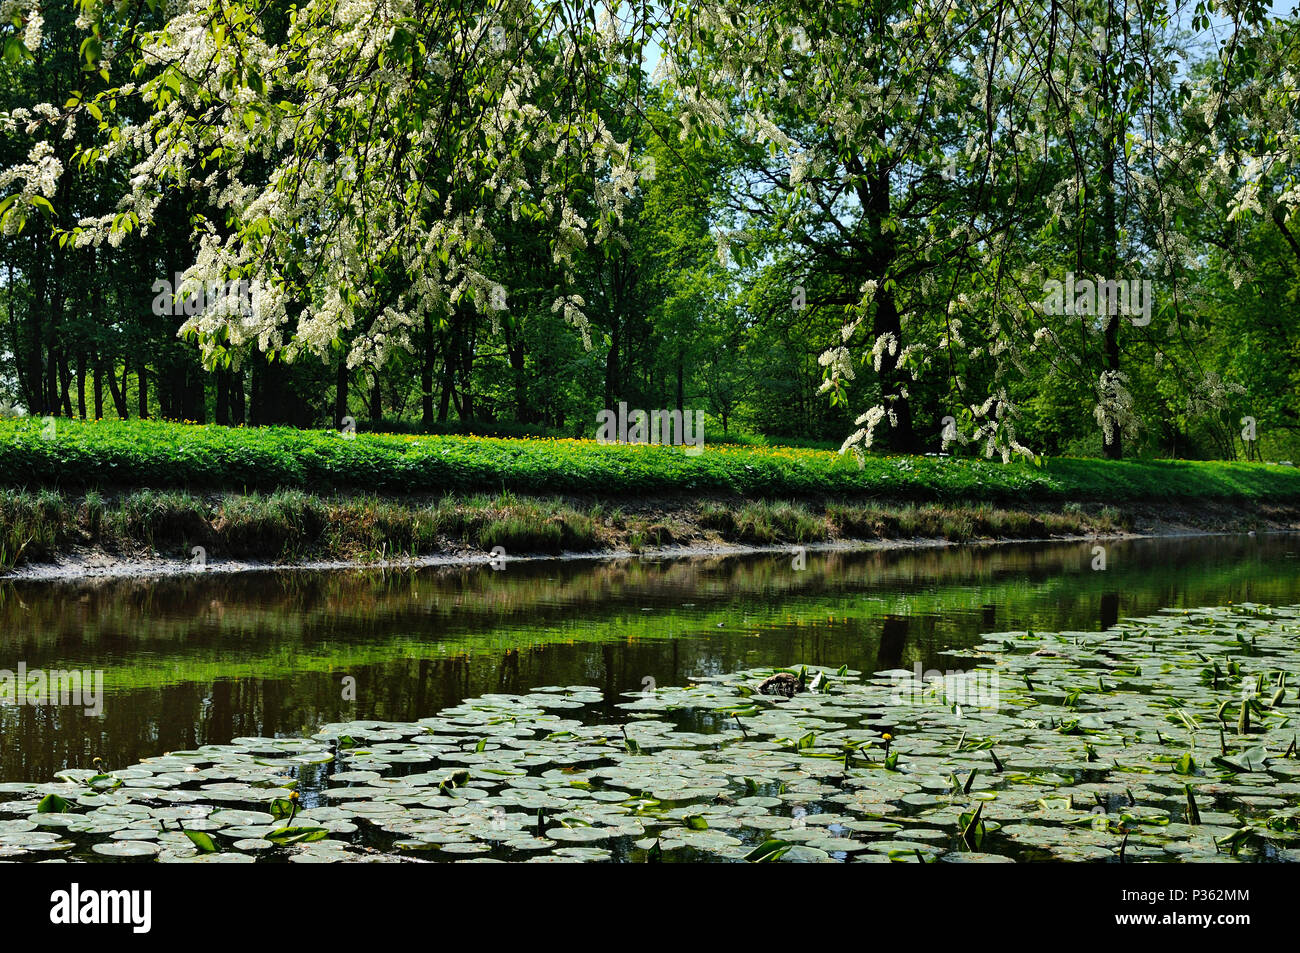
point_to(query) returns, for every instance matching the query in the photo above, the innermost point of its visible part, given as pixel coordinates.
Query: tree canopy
(1013, 226)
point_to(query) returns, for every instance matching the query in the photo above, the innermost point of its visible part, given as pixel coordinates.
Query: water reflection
(204, 659)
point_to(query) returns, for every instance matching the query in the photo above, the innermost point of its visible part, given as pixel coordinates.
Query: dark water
(203, 659)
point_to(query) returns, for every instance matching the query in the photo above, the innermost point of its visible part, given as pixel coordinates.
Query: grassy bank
(136, 454)
(290, 525)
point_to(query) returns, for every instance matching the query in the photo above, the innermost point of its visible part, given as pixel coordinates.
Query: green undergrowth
(137, 454)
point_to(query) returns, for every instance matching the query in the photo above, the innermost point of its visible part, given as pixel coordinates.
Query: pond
(610, 679)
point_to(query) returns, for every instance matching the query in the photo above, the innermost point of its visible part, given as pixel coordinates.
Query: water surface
(196, 659)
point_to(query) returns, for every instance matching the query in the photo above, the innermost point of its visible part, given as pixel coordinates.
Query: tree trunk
(448, 385)
(237, 403)
(523, 412)
(902, 435)
(99, 385)
(613, 387)
(466, 383)
(1112, 443)
(142, 389)
(81, 384)
(256, 389)
(376, 402)
(65, 386)
(34, 385)
(342, 376)
(57, 360)
(51, 402)
(426, 374)
(119, 394)
(96, 354)
(196, 395)
(222, 409)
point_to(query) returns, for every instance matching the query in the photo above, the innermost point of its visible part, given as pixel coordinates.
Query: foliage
(811, 218)
(160, 455)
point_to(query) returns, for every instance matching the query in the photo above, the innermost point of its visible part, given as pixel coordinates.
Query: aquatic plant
(545, 777)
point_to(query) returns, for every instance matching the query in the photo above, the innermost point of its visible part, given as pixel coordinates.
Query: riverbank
(157, 532)
(146, 497)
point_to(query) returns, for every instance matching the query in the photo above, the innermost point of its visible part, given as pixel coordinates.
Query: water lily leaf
(283, 836)
(1254, 759)
(126, 848)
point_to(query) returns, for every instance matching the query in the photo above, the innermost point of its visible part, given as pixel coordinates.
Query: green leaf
(202, 841)
(768, 851)
(53, 804)
(296, 835)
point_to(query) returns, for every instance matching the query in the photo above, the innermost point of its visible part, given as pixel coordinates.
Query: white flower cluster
(25, 15)
(366, 190)
(1114, 408)
(39, 177)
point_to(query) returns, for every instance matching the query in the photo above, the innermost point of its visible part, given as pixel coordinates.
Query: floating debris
(784, 683)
